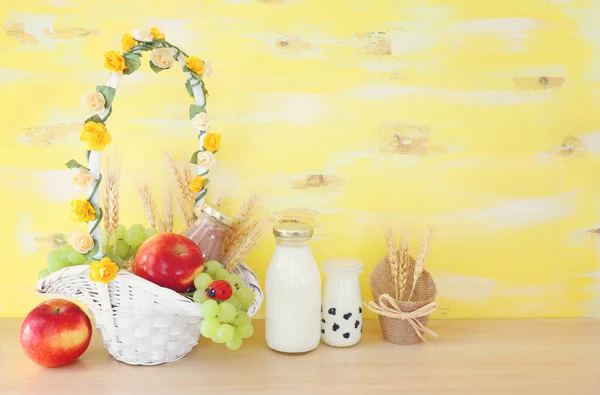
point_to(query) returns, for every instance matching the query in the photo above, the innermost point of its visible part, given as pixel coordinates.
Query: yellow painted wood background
(479, 118)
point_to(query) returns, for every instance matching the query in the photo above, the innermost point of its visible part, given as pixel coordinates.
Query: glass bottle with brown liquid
(209, 231)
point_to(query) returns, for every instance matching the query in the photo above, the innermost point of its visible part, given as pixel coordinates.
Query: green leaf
(94, 118)
(155, 68)
(133, 62)
(98, 220)
(93, 251)
(139, 47)
(108, 93)
(195, 110)
(200, 195)
(188, 87)
(107, 115)
(73, 164)
(194, 158)
(115, 259)
(96, 186)
(196, 76)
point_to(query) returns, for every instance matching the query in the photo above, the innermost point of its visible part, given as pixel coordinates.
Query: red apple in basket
(170, 260)
(56, 333)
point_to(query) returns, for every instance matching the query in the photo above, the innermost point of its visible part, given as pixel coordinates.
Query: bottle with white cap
(293, 292)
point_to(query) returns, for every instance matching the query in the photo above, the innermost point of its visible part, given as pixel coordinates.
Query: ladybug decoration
(219, 290)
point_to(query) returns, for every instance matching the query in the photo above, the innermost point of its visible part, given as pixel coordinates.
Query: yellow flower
(82, 211)
(127, 42)
(104, 270)
(195, 64)
(212, 142)
(114, 62)
(157, 33)
(95, 135)
(197, 184)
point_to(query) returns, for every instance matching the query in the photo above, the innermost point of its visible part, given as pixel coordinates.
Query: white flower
(201, 122)
(93, 102)
(206, 159)
(207, 68)
(144, 35)
(82, 242)
(81, 177)
(162, 57)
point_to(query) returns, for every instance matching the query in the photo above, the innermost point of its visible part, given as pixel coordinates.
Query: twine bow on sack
(389, 307)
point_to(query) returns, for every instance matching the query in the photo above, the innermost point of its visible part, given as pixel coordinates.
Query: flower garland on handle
(94, 134)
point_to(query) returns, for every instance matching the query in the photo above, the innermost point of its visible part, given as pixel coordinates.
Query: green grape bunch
(224, 322)
(124, 246)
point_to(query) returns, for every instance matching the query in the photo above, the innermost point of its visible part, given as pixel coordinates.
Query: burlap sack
(396, 330)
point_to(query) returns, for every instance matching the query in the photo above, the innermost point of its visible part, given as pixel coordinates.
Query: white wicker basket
(140, 322)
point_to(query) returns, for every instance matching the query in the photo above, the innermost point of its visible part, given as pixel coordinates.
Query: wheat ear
(247, 208)
(236, 233)
(393, 258)
(183, 192)
(189, 195)
(404, 262)
(420, 261)
(244, 244)
(111, 196)
(148, 205)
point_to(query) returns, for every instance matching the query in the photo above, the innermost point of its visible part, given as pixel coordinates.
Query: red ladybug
(219, 290)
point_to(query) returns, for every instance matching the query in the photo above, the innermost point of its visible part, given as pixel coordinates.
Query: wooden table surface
(487, 357)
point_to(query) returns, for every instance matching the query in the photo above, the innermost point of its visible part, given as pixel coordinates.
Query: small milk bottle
(342, 303)
(293, 292)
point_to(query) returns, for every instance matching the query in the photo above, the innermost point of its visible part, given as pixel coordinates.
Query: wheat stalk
(393, 258)
(420, 261)
(168, 222)
(184, 197)
(111, 199)
(161, 224)
(148, 205)
(244, 244)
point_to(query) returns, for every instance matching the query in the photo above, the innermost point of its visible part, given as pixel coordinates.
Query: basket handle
(94, 159)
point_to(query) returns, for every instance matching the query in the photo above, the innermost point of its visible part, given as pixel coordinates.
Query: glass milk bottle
(341, 317)
(293, 292)
(209, 231)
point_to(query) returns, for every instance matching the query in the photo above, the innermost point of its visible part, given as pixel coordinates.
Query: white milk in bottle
(342, 303)
(293, 292)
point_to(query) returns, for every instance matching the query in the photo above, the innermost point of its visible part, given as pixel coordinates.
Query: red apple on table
(170, 260)
(56, 333)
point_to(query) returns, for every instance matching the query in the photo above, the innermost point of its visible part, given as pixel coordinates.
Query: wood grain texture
(491, 357)
(479, 118)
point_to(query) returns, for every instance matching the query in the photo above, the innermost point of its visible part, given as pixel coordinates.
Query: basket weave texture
(140, 322)
(396, 330)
